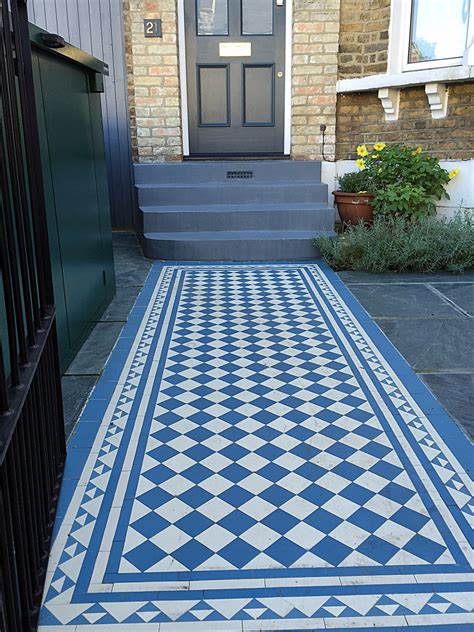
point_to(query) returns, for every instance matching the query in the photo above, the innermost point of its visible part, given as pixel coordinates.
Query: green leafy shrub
(356, 181)
(404, 200)
(405, 180)
(401, 245)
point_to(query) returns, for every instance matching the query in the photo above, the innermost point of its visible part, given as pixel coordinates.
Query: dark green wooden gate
(68, 83)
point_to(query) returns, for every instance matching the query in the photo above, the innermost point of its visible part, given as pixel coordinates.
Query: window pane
(257, 17)
(212, 17)
(438, 29)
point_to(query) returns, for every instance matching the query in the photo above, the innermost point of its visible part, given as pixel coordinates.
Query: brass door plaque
(235, 49)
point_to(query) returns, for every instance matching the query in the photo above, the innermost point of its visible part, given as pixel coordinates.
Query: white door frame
(184, 85)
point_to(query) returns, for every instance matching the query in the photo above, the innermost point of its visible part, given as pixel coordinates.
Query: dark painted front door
(235, 55)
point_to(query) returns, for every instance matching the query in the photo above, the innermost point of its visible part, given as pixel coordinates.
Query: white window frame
(399, 42)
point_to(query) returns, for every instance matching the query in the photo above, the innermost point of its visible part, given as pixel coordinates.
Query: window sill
(406, 79)
(435, 80)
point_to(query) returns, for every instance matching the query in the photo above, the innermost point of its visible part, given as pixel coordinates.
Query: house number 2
(152, 28)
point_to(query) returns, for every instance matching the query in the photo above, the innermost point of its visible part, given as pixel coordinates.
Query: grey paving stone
(456, 392)
(406, 277)
(76, 390)
(124, 239)
(390, 300)
(435, 344)
(122, 304)
(93, 355)
(131, 272)
(460, 293)
(131, 267)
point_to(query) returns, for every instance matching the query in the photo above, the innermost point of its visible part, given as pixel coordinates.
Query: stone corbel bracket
(390, 99)
(437, 94)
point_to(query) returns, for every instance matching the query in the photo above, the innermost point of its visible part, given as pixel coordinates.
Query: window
(438, 30)
(430, 34)
(212, 17)
(257, 17)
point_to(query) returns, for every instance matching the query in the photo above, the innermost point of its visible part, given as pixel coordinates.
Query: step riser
(252, 194)
(197, 172)
(317, 219)
(232, 250)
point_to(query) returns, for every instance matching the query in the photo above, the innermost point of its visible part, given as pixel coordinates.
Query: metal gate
(32, 444)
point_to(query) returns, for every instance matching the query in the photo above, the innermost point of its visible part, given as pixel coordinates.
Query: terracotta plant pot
(353, 207)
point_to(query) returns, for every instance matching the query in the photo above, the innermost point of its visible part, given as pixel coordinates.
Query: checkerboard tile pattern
(260, 439)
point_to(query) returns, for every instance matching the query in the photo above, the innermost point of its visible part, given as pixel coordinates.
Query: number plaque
(152, 28)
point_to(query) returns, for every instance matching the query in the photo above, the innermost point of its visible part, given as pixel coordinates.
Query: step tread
(237, 235)
(232, 184)
(235, 208)
(225, 163)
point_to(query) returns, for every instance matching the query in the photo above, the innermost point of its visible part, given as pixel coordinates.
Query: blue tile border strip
(78, 594)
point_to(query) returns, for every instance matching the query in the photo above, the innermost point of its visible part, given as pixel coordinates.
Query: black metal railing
(32, 443)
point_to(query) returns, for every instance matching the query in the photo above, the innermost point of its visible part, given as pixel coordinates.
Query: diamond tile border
(104, 425)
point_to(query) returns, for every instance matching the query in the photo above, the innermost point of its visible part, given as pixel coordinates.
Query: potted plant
(396, 180)
(354, 199)
(407, 180)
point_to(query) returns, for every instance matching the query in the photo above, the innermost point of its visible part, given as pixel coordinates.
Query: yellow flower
(362, 151)
(453, 173)
(374, 156)
(360, 163)
(379, 146)
(417, 151)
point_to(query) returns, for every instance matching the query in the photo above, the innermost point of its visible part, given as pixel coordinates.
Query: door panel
(213, 95)
(259, 95)
(235, 54)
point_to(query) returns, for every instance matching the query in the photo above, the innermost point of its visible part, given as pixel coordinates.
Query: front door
(235, 57)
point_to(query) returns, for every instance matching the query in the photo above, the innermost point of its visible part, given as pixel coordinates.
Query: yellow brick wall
(315, 49)
(363, 46)
(153, 80)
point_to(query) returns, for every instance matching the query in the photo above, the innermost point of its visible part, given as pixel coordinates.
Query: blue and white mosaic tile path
(257, 456)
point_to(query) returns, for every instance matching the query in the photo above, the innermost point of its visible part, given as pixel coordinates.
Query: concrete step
(228, 217)
(228, 170)
(232, 192)
(251, 245)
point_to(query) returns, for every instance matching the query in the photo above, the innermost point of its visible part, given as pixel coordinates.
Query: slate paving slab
(76, 391)
(93, 355)
(456, 391)
(121, 306)
(257, 455)
(349, 276)
(391, 300)
(462, 294)
(437, 343)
